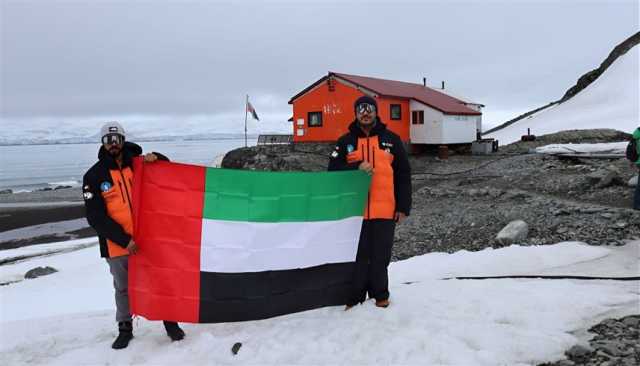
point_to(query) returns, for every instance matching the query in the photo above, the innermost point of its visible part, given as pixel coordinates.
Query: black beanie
(365, 99)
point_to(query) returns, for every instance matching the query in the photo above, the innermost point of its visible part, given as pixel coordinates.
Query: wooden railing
(275, 139)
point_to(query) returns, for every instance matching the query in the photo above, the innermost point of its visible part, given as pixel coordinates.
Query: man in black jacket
(107, 189)
(371, 147)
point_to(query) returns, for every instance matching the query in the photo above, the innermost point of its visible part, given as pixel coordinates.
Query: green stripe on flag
(253, 196)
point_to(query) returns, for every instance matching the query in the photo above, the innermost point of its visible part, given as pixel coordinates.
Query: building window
(396, 112)
(417, 117)
(315, 119)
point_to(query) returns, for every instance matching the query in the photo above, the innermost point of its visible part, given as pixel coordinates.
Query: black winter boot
(124, 336)
(173, 331)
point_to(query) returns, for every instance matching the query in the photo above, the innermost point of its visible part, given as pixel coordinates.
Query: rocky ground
(560, 200)
(615, 344)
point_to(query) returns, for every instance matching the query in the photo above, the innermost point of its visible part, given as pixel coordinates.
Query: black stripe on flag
(231, 297)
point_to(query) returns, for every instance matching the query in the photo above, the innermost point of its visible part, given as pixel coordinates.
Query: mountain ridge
(583, 81)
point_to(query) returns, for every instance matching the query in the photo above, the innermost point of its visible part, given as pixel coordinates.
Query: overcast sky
(96, 58)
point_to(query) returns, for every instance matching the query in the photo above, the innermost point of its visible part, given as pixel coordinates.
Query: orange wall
(337, 113)
(401, 126)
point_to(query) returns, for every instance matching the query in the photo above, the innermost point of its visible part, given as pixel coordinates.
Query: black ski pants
(374, 254)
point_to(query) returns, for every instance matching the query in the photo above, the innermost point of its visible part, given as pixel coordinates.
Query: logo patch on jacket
(386, 144)
(105, 186)
(349, 148)
(86, 193)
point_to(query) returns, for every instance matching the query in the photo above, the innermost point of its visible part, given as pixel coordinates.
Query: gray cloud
(184, 58)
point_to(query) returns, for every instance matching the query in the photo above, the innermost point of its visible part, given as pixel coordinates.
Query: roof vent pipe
(424, 82)
(443, 85)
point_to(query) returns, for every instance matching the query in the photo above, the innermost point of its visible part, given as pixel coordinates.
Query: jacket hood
(129, 150)
(636, 134)
(378, 128)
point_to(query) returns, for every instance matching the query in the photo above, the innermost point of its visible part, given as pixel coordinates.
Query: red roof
(399, 89)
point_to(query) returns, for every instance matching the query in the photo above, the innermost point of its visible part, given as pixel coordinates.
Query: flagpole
(246, 105)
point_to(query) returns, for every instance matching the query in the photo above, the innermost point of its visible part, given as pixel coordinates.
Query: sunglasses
(365, 108)
(112, 139)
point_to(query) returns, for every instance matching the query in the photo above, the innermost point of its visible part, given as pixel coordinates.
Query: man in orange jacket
(107, 189)
(371, 147)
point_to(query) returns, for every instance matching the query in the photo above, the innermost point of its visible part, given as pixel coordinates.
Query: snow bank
(602, 148)
(612, 101)
(512, 260)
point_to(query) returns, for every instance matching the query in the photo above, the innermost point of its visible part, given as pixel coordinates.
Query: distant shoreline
(93, 139)
(40, 167)
(59, 198)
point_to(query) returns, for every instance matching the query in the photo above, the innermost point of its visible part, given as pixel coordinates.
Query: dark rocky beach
(30, 211)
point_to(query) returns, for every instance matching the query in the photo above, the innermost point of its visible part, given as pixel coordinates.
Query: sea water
(31, 167)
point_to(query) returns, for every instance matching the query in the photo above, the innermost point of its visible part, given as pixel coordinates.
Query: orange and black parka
(107, 192)
(390, 189)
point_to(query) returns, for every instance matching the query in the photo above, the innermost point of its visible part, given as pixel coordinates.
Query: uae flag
(222, 245)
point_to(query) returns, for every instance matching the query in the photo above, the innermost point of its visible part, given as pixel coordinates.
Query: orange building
(418, 114)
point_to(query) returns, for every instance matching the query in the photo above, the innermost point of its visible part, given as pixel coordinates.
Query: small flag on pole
(252, 110)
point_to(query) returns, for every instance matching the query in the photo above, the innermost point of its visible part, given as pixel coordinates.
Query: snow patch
(603, 148)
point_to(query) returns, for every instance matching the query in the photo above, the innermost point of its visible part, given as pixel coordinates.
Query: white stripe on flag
(236, 246)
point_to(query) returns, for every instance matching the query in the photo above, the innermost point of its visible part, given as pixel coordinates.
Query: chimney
(424, 82)
(443, 85)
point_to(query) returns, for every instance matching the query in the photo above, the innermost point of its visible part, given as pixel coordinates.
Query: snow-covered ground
(67, 318)
(612, 101)
(600, 148)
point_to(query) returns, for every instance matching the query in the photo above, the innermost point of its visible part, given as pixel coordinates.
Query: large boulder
(515, 231)
(294, 157)
(578, 351)
(604, 177)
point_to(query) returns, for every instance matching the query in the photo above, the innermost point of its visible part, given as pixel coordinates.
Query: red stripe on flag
(164, 276)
